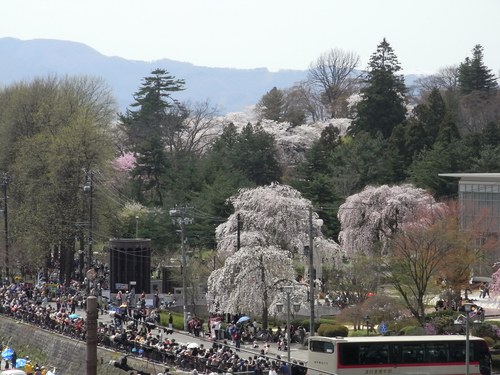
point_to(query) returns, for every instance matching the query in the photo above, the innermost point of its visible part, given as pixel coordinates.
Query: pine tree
(473, 75)
(151, 132)
(383, 99)
(271, 105)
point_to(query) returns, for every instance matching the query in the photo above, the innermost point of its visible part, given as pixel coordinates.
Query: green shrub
(484, 330)
(358, 333)
(400, 324)
(489, 341)
(411, 331)
(332, 330)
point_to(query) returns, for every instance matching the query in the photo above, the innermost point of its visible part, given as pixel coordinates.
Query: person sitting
(121, 364)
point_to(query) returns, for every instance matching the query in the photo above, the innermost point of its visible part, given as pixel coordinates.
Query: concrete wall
(68, 355)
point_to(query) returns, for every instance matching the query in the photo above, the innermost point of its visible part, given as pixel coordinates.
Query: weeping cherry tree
(370, 218)
(272, 225)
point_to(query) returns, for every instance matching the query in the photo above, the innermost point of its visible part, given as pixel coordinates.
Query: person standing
(28, 368)
(119, 298)
(129, 304)
(156, 300)
(217, 327)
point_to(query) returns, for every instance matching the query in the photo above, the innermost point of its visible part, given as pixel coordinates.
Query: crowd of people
(135, 331)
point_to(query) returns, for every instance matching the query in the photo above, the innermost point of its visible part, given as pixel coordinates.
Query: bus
(397, 355)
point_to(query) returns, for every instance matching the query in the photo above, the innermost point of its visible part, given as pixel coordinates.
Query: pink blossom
(125, 162)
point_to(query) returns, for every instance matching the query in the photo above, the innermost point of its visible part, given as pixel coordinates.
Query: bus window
(457, 352)
(364, 353)
(436, 352)
(321, 346)
(412, 353)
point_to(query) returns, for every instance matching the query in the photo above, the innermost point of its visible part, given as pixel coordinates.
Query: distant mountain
(231, 89)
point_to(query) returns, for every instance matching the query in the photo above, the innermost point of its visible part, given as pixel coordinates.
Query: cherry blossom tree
(125, 162)
(251, 280)
(370, 218)
(495, 284)
(272, 224)
(272, 215)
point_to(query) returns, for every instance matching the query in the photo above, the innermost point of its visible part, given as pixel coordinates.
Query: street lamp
(137, 227)
(288, 289)
(467, 309)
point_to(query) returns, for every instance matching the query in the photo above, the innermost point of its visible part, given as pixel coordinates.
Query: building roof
(477, 177)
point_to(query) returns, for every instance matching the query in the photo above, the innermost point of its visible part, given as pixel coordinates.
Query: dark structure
(130, 264)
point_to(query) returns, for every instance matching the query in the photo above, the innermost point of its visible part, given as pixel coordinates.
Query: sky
(426, 35)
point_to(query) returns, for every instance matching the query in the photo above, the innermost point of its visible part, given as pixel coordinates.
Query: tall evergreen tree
(151, 132)
(383, 98)
(255, 155)
(271, 105)
(473, 75)
(421, 130)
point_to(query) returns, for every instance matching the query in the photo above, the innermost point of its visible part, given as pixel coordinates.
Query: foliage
(485, 331)
(425, 169)
(430, 249)
(272, 215)
(331, 330)
(489, 341)
(411, 331)
(473, 75)
(383, 97)
(271, 105)
(250, 281)
(443, 322)
(152, 130)
(58, 131)
(273, 226)
(332, 74)
(370, 218)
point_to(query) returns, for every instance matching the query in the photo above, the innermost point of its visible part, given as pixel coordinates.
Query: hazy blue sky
(278, 34)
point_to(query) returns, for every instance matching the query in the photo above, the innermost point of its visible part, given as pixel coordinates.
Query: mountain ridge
(230, 89)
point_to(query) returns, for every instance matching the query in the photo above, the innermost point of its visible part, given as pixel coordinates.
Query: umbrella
(74, 316)
(192, 345)
(20, 362)
(8, 353)
(243, 319)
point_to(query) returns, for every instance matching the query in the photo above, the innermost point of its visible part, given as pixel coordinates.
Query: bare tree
(309, 99)
(333, 73)
(445, 79)
(201, 126)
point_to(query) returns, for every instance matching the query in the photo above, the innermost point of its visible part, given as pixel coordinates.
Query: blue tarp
(20, 362)
(8, 353)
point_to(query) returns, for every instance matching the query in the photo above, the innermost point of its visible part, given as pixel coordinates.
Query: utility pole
(5, 181)
(179, 217)
(238, 233)
(311, 273)
(89, 188)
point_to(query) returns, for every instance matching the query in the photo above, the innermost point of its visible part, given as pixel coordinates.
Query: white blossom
(368, 219)
(274, 227)
(269, 215)
(250, 280)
